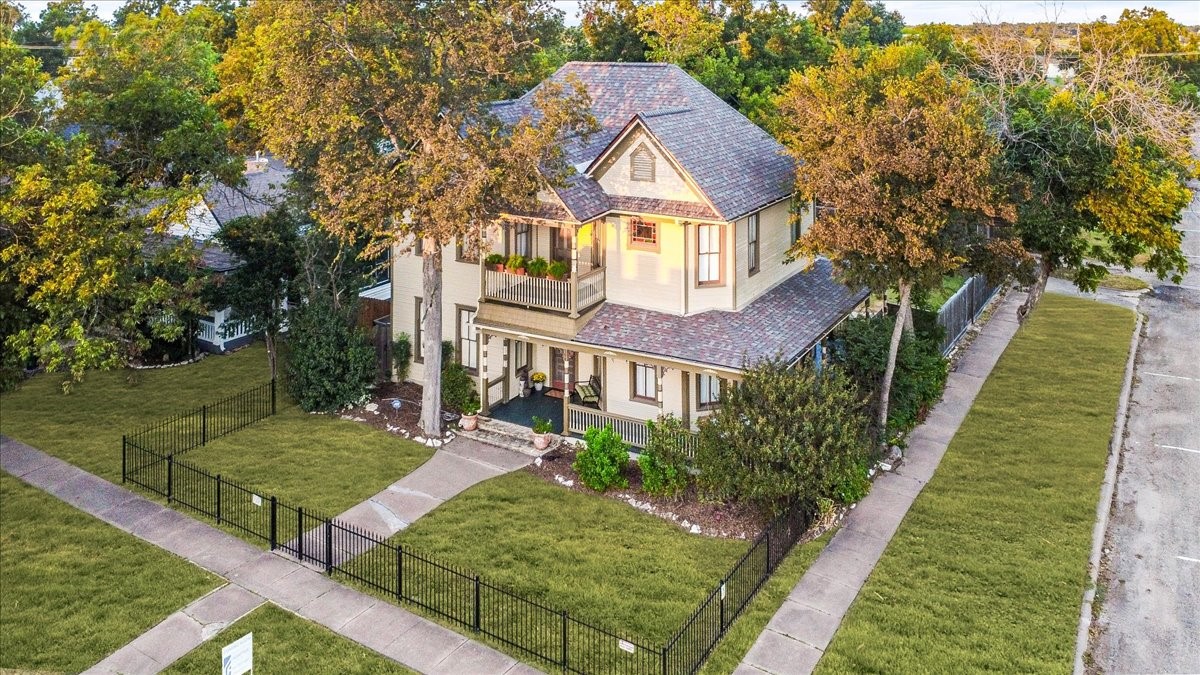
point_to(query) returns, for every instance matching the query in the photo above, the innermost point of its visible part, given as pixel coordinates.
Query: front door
(562, 375)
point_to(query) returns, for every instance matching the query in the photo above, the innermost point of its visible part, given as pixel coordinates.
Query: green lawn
(741, 636)
(320, 462)
(988, 569)
(937, 296)
(74, 589)
(286, 643)
(605, 562)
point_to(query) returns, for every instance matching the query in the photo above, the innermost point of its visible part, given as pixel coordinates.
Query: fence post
(204, 424)
(564, 640)
(399, 572)
(723, 603)
(274, 541)
(123, 460)
(329, 546)
(476, 603)
(218, 499)
(664, 660)
(170, 477)
(300, 533)
(272, 396)
(768, 540)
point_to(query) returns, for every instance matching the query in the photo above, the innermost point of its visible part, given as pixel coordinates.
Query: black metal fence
(546, 634)
(963, 308)
(194, 428)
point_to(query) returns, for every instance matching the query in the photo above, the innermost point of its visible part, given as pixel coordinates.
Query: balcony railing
(633, 431)
(568, 295)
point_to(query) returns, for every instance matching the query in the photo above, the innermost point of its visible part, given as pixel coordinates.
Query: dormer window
(641, 165)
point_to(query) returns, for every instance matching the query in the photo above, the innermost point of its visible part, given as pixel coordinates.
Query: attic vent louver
(641, 165)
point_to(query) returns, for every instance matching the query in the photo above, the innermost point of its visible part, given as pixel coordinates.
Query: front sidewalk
(800, 631)
(379, 625)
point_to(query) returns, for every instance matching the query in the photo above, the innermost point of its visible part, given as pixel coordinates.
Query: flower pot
(538, 385)
(519, 272)
(469, 422)
(541, 441)
(499, 267)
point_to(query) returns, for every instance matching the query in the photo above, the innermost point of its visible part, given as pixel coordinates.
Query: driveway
(1149, 617)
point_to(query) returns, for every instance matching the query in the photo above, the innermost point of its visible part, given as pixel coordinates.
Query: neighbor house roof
(737, 166)
(783, 322)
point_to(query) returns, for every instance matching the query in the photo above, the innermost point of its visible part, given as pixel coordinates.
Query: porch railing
(545, 293)
(633, 431)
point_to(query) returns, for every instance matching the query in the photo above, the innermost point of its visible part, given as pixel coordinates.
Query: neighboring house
(675, 229)
(265, 180)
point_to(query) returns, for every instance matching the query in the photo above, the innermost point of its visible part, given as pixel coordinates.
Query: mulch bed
(690, 512)
(379, 411)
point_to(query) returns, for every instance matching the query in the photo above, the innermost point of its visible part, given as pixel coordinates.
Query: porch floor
(522, 410)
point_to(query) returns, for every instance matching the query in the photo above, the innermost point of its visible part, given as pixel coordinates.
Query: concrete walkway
(377, 624)
(455, 467)
(798, 634)
(180, 633)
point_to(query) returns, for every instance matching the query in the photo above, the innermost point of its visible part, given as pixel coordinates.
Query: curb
(1104, 506)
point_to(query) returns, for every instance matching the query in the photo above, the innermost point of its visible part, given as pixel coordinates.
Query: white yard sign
(237, 657)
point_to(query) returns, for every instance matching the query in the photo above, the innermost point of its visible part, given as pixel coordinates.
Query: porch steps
(505, 435)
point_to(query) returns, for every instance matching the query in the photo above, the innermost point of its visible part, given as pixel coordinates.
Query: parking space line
(1176, 447)
(1174, 377)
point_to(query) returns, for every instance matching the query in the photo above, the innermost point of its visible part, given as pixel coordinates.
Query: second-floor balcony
(572, 295)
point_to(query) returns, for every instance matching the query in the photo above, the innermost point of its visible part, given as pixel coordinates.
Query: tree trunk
(431, 337)
(885, 388)
(1035, 291)
(908, 320)
(269, 338)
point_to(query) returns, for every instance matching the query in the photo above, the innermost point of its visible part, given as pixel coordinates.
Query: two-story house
(674, 230)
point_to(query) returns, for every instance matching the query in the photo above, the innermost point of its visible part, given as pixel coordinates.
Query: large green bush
(402, 352)
(860, 346)
(783, 437)
(458, 390)
(663, 461)
(330, 360)
(602, 463)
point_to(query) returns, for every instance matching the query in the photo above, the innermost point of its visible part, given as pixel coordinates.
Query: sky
(914, 11)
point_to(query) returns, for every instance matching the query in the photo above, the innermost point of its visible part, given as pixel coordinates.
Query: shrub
(494, 259)
(537, 267)
(458, 391)
(331, 362)
(515, 262)
(558, 269)
(861, 346)
(402, 356)
(854, 484)
(782, 437)
(542, 425)
(663, 461)
(602, 463)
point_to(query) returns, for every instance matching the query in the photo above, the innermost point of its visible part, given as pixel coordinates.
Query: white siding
(613, 173)
(775, 239)
(646, 279)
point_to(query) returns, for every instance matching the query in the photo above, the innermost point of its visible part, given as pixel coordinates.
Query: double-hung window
(708, 255)
(645, 382)
(521, 240)
(468, 340)
(418, 319)
(752, 244)
(708, 391)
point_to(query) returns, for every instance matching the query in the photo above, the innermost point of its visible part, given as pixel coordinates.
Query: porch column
(574, 272)
(505, 348)
(566, 399)
(481, 254)
(660, 372)
(484, 408)
(686, 378)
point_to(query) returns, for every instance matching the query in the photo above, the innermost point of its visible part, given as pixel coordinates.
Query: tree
(143, 146)
(1105, 153)
(258, 290)
(386, 103)
(611, 29)
(856, 23)
(45, 32)
(783, 437)
(688, 33)
(899, 149)
(331, 362)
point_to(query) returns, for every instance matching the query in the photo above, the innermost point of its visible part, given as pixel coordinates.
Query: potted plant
(495, 261)
(558, 270)
(537, 267)
(542, 428)
(515, 264)
(538, 379)
(469, 420)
